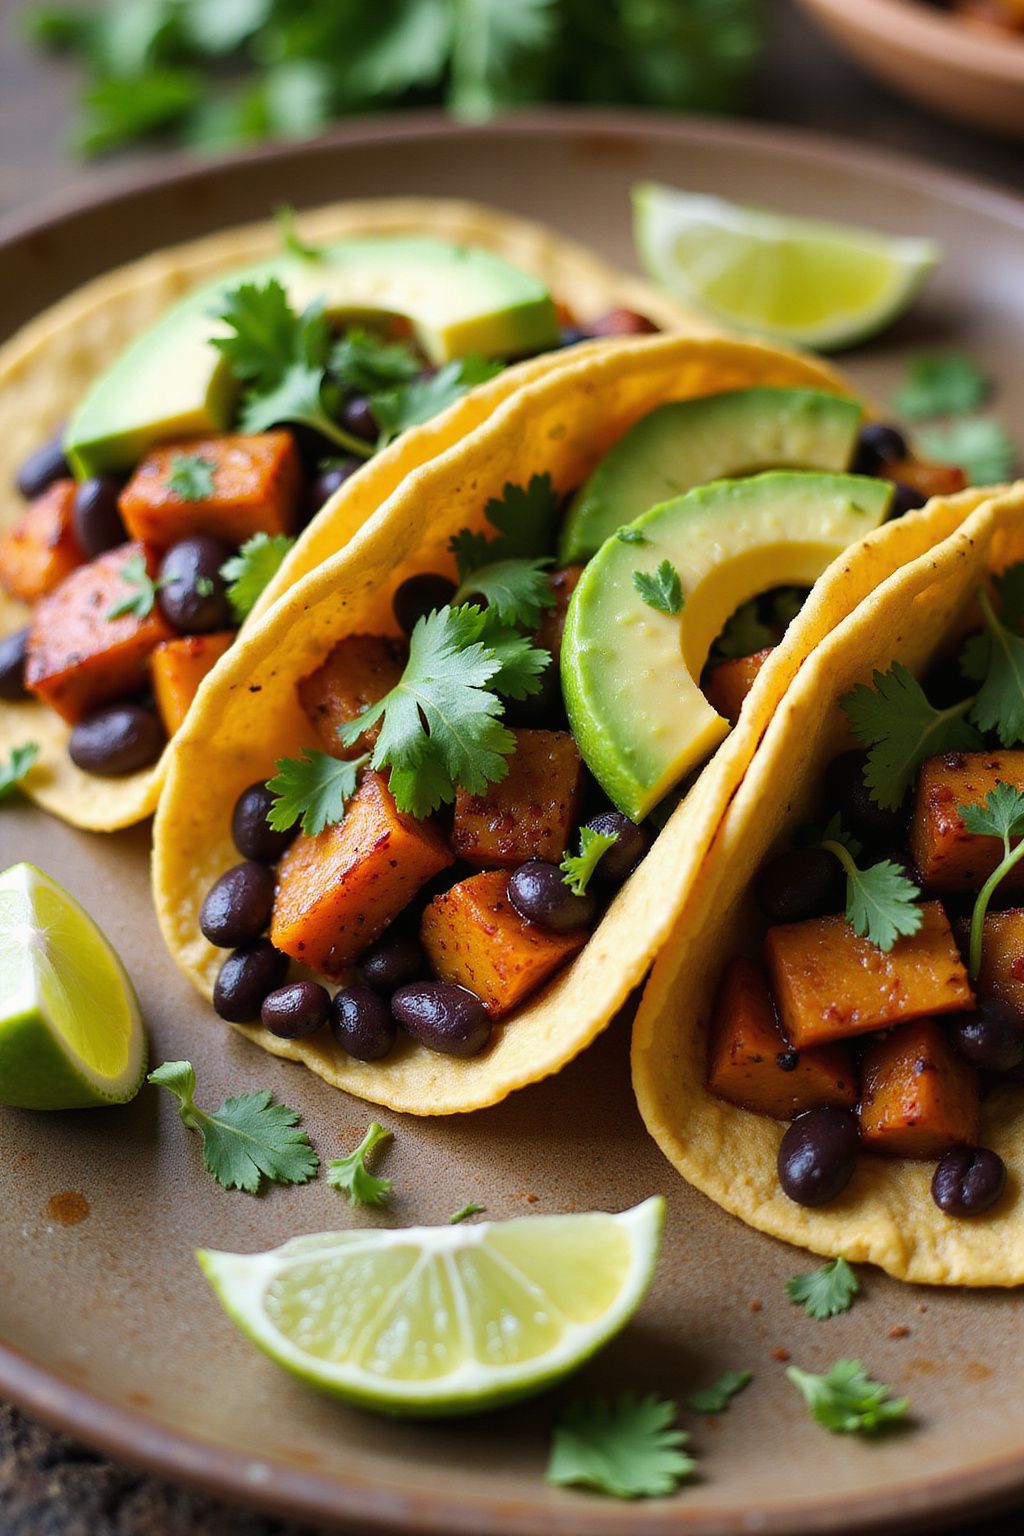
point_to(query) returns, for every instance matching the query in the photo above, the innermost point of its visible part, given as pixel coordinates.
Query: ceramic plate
(111, 1332)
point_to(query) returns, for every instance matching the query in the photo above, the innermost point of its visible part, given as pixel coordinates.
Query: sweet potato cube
(529, 813)
(475, 937)
(1001, 976)
(338, 891)
(178, 667)
(360, 670)
(828, 983)
(78, 658)
(919, 1097)
(257, 482)
(751, 1064)
(40, 549)
(946, 855)
(562, 584)
(731, 681)
(928, 479)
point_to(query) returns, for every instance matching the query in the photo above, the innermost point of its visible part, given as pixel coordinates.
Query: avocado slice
(631, 674)
(714, 437)
(172, 383)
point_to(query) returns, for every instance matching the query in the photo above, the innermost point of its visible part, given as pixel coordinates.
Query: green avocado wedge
(172, 383)
(631, 673)
(686, 443)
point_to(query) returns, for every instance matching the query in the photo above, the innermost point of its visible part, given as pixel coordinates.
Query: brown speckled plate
(109, 1330)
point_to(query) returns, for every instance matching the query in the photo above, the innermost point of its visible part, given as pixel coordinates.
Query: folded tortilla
(886, 1216)
(46, 368)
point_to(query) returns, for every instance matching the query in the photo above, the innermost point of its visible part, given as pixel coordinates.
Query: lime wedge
(794, 280)
(71, 1033)
(442, 1320)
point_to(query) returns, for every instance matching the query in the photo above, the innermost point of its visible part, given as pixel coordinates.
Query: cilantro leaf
(524, 516)
(520, 662)
(120, 108)
(351, 1176)
(515, 591)
(191, 476)
(140, 602)
(715, 1399)
(314, 787)
(881, 902)
(894, 718)
(263, 344)
(1002, 816)
(291, 241)
(252, 569)
(660, 589)
(745, 633)
(408, 405)
(824, 1292)
(465, 1212)
(298, 397)
(846, 1401)
(365, 364)
(978, 444)
(630, 535)
(247, 1139)
(578, 868)
(941, 384)
(14, 768)
(999, 703)
(627, 1447)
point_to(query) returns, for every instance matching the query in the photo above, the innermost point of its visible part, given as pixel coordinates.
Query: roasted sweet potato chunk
(78, 658)
(360, 670)
(178, 667)
(563, 585)
(338, 891)
(475, 937)
(946, 855)
(929, 479)
(730, 682)
(40, 549)
(829, 984)
(256, 486)
(1001, 977)
(919, 1097)
(750, 1062)
(531, 812)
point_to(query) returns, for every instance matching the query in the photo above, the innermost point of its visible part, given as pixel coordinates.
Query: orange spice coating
(1001, 975)
(531, 812)
(257, 482)
(40, 548)
(360, 670)
(177, 667)
(945, 854)
(562, 584)
(919, 1097)
(729, 683)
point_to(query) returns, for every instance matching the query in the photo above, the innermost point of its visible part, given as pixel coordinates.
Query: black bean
(358, 418)
(295, 1010)
(877, 446)
(968, 1181)
(630, 846)
(42, 468)
(362, 1024)
(905, 498)
(254, 839)
(818, 1155)
(801, 883)
(540, 895)
(860, 814)
(117, 740)
(193, 595)
(395, 959)
(990, 1038)
(237, 907)
(247, 976)
(419, 595)
(328, 481)
(97, 517)
(443, 1017)
(13, 651)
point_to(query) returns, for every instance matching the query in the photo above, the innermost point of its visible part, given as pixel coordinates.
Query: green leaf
(521, 664)
(14, 768)
(465, 1212)
(979, 445)
(351, 1176)
(264, 324)
(223, 27)
(894, 718)
(291, 240)
(716, 1398)
(139, 602)
(824, 1292)
(191, 476)
(403, 406)
(999, 703)
(60, 29)
(252, 569)
(628, 535)
(500, 53)
(524, 517)
(247, 1139)
(1002, 816)
(941, 384)
(298, 93)
(314, 788)
(515, 591)
(846, 1401)
(744, 633)
(118, 110)
(881, 902)
(627, 1447)
(578, 868)
(365, 363)
(660, 589)
(400, 46)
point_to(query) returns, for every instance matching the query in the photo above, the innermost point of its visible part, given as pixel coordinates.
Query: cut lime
(71, 1033)
(795, 280)
(442, 1320)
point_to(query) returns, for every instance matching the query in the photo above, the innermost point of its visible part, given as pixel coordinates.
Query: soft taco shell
(46, 367)
(886, 1215)
(247, 713)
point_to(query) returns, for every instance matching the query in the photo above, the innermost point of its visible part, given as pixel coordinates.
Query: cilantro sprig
(313, 789)
(402, 406)
(825, 1292)
(465, 1212)
(895, 720)
(507, 570)
(978, 444)
(717, 1397)
(999, 703)
(351, 1175)
(191, 476)
(846, 1401)
(627, 1447)
(1001, 816)
(660, 589)
(881, 901)
(143, 589)
(941, 384)
(14, 768)
(252, 569)
(578, 868)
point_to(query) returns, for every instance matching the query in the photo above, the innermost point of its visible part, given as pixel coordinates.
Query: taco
(173, 453)
(831, 1046)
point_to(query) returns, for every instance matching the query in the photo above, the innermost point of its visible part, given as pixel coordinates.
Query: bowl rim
(939, 36)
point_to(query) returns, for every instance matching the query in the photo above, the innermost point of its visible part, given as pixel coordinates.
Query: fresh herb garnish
(978, 444)
(628, 535)
(846, 1401)
(628, 1447)
(315, 788)
(745, 633)
(515, 591)
(523, 516)
(140, 602)
(945, 384)
(1002, 816)
(351, 1176)
(881, 902)
(660, 589)
(465, 1212)
(578, 868)
(14, 768)
(247, 1139)
(999, 703)
(894, 718)
(191, 476)
(367, 364)
(716, 1398)
(204, 586)
(291, 240)
(408, 405)
(252, 569)
(824, 1292)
